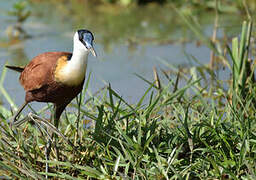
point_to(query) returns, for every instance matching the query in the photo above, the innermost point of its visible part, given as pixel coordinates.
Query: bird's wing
(39, 72)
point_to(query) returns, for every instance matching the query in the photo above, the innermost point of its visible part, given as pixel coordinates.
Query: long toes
(32, 115)
(19, 122)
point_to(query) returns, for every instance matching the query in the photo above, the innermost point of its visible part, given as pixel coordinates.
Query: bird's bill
(93, 52)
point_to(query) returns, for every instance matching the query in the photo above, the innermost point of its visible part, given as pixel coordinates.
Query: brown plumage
(56, 77)
(38, 80)
(39, 72)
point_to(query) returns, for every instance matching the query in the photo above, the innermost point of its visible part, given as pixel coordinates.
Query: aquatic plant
(21, 13)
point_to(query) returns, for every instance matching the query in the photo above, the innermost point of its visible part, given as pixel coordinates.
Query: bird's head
(83, 40)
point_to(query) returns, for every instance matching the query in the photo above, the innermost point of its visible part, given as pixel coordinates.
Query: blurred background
(131, 37)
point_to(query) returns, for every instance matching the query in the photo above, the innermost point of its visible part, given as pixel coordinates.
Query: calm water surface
(127, 41)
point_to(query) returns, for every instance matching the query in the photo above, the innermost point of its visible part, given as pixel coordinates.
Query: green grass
(185, 129)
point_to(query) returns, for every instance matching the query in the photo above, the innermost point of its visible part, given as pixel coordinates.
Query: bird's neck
(72, 73)
(78, 60)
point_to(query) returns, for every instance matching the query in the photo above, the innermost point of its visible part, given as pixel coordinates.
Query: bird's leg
(49, 143)
(79, 99)
(54, 118)
(18, 112)
(47, 154)
(58, 109)
(54, 136)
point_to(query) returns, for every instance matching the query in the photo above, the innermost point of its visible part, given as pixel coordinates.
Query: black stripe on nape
(69, 57)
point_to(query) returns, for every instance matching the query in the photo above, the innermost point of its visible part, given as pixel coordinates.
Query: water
(127, 41)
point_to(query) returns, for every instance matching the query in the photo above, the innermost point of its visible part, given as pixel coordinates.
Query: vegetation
(172, 132)
(186, 126)
(21, 13)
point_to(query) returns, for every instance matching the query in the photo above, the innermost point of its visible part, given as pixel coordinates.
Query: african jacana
(56, 77)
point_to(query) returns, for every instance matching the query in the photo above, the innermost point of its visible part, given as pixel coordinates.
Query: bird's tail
(15, 68)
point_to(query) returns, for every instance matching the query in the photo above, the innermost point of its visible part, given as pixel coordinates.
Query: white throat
(78, 61)
(74, 71)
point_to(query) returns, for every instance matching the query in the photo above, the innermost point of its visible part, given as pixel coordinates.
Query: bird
(56, 77)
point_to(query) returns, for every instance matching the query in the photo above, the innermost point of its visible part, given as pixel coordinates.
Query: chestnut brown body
(56, 77)
(40, 84)
(38, 80)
